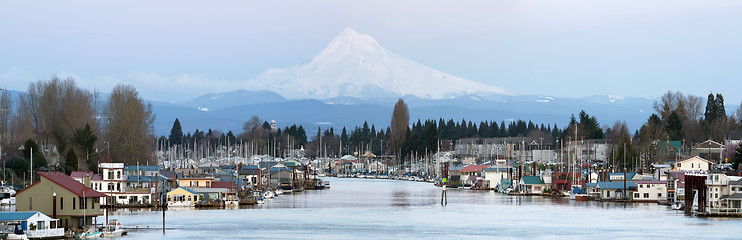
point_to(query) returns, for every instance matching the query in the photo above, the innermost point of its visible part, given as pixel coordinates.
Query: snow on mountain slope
(354, 64)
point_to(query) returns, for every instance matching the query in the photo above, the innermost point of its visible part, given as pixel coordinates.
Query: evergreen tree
(176, 133)
(70, 162)
(38, 158)
(738, 157)
(85, 140)
(711, 111)
(344, 136)
(674, 127)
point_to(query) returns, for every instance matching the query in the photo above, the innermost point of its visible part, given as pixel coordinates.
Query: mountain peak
(354, 64)
(350, 42)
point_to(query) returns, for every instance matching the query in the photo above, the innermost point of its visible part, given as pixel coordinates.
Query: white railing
(45, 233)
(725, 210)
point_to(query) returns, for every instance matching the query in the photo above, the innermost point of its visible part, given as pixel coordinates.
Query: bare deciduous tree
(128, 122)
(5, 116)
(55, 109)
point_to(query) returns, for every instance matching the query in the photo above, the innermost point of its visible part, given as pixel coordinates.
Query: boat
(90, 233)
(678, 205)
(278, 191)
(319, 185)
(326, 184)
(13, 231)
(113, 229)
(231, 200)
(6, 196)
(578, 194)
(268, 194)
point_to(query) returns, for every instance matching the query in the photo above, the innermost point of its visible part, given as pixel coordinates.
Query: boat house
(34, 224)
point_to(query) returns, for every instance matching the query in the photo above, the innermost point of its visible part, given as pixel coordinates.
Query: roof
(80, 175)
(629, 175)
(16, 216)
(456, 167)
(474, 168)
(532, 180)
(143, 178)
(708, 144)
(733, 196)
(168, 174)
(68, 183)
(210, 190)
(142, 168)
(249, 171)
(695, 157)
(651, 182)
(223, 184)
(496, 169)
(736, 182)
(660, 165)
(277, 169)
(615, 185)
(187, 190)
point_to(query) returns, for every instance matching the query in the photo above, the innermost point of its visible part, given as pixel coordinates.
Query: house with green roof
(532, 184)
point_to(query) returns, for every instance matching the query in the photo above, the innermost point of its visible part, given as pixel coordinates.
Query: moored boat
(578, 194)
(113, 229)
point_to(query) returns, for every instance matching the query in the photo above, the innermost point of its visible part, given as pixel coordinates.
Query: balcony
(46, 233)
(140, 190)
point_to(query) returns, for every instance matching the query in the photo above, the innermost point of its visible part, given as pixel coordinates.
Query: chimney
(86, 180)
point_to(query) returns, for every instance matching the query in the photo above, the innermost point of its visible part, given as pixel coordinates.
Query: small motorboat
(6, 196)
(268, 194)
(13, 231)
(113, 229)
(90, 233)
(231, 201)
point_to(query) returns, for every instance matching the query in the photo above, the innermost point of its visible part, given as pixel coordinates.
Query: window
(636, 195)
(646, 195)
(659, 195)
(73, 203)
(118, 174)
(40, 225)
(61, 203)
(691, 165)
(30, 203)
(716, 195)
(189, 198)
(678, 164)
(110, 175)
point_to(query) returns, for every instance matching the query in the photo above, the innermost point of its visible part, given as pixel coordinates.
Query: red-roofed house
(472, 173)
(61, 197)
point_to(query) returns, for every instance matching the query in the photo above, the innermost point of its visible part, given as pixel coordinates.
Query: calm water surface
(389, 209)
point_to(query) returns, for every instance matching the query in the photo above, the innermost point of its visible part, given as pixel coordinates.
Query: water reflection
(384, 209)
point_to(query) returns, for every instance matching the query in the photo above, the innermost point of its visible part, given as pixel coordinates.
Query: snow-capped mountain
(354, 64)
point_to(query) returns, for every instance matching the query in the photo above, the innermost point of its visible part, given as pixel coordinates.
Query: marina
(356, 208)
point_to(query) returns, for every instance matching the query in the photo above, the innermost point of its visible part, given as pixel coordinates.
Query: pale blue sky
(177, 50)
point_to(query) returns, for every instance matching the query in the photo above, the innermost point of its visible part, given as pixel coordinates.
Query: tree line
(56, 119)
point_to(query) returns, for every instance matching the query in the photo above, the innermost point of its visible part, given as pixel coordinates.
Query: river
(391, 209)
